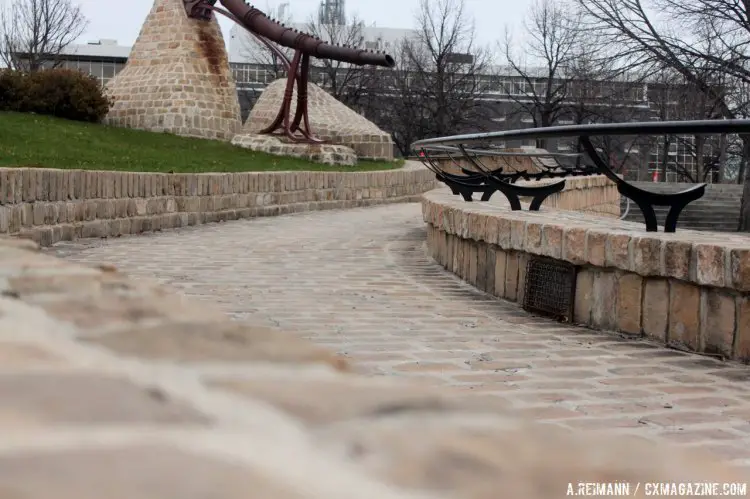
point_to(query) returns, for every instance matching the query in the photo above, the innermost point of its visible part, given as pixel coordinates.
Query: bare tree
(442, 75)
(346, 82)
(603, 92)
(35, 33)
(399, 106)
(552, 32)
(257, 53)
(266, 62)
(695, 38)
(672, 98)
(572, 79)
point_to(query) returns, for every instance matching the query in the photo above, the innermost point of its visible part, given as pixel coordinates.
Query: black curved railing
(474, 147)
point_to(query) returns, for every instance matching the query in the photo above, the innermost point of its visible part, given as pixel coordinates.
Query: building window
(679, 154)
(108, 72)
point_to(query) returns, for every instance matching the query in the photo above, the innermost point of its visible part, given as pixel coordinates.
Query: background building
(100, 58)
(331, 12)
(506, 90)
(250, 61)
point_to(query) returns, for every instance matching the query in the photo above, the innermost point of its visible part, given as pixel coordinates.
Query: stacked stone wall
(595, 195)
(330, 120)
(49, 205)
(689, 290)
(177, 78)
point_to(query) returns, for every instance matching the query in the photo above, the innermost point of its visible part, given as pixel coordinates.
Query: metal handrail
(470, 146)
(502, 153)
(691, 127)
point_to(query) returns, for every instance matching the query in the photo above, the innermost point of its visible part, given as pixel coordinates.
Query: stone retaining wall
(508, 163)
(690, 289)
(119, 385)
(49, 205)
(596, 195)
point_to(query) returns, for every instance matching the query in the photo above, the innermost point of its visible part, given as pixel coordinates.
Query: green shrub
(63, 93)
(12, 90)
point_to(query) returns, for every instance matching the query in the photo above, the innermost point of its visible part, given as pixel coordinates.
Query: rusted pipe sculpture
(268, 32)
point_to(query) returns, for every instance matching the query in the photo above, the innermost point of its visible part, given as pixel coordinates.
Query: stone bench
(687, 289)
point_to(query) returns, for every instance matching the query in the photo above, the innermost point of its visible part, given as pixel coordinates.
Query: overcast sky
(122, 20)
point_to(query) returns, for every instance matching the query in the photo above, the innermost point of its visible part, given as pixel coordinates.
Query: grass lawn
(28, 140)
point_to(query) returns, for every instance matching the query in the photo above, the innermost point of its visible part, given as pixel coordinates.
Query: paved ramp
(359, 282)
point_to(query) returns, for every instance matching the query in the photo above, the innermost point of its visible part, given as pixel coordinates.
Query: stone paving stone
(143, 472)
(111, 310)
(70, 284)
(20, 355)
(463, 461)
(697, 436)
(359, 281)
(215, 342)
(40, 399)
(319, 401)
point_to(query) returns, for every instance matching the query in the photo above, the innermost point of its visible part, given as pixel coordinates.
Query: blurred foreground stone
(114, 387)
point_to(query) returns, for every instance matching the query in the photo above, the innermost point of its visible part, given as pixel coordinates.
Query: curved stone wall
(594, 194)
(690, 290)
(49, 205)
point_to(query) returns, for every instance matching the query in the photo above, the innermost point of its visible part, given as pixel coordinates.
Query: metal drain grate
(550, 288)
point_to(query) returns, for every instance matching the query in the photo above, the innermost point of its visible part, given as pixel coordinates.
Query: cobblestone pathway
(359, 282)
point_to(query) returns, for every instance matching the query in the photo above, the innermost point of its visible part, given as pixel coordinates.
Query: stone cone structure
(330, 120)
(177, 78)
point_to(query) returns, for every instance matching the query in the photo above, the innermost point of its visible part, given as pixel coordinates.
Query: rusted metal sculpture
(268, 32)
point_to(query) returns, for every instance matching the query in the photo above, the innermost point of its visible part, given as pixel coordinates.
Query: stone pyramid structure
(177, 78)
(330, 119)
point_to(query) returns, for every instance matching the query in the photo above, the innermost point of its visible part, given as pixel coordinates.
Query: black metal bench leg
(670, 224)
(649, 215)
(488, 194)
(646, 200)
(467, 195)
(536, 203)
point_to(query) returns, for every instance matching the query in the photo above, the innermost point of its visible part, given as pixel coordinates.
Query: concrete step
(700, 226)
(704, 228)
(688, 221)
(713, 217)
(691, 211)
(696, 214)
(703, 203)
(718, 210)
(705, 200)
